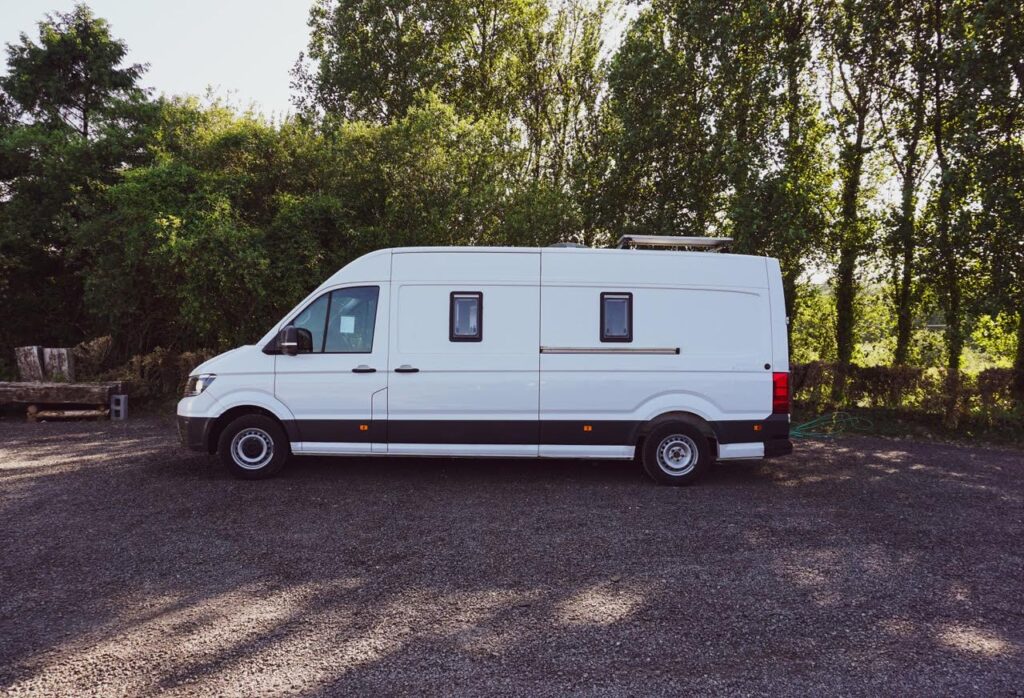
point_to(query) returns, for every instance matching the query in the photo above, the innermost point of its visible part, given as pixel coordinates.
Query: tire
(676, 453)
(253, 447)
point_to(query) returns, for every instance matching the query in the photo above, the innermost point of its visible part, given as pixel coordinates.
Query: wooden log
(59, 365)
(70, 414)
(30, 363)
(59, 393)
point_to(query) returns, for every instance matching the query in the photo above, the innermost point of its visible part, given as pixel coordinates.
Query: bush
(986, 398)
(158, 375)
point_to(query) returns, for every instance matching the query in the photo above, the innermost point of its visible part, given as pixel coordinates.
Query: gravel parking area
(863, 566)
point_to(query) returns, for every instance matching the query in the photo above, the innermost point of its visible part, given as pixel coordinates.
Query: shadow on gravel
(861, 566)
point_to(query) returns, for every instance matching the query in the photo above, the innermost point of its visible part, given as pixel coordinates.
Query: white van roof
(376, 266)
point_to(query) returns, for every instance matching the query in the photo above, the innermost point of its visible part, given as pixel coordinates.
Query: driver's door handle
(363, 368)
(406, 368)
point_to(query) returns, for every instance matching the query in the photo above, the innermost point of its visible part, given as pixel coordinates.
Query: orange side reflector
(757, 427)
(587, 427)
(364, 427)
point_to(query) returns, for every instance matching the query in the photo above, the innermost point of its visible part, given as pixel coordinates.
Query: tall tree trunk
(907, 243)
(954, 347)
(951, 292)
(794, 35)
(907, 234)
(849, 251)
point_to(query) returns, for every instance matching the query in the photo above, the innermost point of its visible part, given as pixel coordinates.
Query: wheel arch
(690, 418)
(219, 423)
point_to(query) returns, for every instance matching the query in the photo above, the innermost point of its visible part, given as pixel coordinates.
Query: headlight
(197, 384)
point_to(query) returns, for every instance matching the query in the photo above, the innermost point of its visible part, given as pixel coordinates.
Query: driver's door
(331, 390)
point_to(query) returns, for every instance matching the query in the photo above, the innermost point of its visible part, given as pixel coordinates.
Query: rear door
(463, 366)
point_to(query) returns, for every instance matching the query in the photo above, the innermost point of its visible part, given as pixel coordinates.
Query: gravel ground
(864, 566)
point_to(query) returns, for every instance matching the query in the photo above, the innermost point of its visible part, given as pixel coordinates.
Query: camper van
(664, 350)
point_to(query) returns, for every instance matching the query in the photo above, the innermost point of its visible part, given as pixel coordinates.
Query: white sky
(243, 49)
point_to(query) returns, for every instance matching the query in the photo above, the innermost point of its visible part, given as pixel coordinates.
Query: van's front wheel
(253, 447)
(676, 454)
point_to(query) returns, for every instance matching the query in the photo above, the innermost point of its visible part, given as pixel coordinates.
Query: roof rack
(660, 241)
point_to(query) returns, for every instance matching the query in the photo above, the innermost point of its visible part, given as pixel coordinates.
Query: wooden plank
(59, 365)
(59, 393)
(30, 363)
(68, 414)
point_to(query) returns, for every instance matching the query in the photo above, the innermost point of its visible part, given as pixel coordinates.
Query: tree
(559, 84)
(73, 77)
(73, 117)
(853, 32)
(903, 110)
(666, 175)
(994, 83)
(372, 59)
(790, 206)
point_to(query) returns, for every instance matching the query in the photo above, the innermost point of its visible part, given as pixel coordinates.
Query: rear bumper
(773, 432)
(194, 432)
(778, 447)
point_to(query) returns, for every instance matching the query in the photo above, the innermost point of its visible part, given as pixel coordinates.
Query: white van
(676, 358)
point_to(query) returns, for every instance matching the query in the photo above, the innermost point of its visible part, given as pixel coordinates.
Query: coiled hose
(830, 425)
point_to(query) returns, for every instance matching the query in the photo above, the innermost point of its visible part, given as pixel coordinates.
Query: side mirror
(295, 340)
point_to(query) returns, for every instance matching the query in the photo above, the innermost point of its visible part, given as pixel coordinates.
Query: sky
(243, 49)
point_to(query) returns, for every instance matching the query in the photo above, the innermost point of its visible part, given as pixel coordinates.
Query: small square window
(616, 317)
(466, 316)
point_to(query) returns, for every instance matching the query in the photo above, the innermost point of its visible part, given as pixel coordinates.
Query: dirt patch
(862, 566)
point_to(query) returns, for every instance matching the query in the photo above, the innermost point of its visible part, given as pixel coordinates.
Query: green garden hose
(830, 425)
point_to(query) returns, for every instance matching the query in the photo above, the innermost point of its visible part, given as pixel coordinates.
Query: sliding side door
(463, 364)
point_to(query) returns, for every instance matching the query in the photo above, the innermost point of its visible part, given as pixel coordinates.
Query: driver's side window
(342, 321)
(314, 319)
(352, 316)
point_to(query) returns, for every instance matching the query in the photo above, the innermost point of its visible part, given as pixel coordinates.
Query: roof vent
(672, 241)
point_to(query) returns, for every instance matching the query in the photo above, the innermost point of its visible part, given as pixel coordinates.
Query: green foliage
(72, 120)
(811, 336)
(994, 338)
(72, 77)
(878, 144)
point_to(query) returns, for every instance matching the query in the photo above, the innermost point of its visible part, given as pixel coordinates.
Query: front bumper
(194, 432)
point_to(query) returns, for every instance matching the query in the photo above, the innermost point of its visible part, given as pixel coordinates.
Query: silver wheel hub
(677, 454)
(252, 449)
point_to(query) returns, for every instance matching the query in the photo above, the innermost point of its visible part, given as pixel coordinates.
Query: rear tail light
(780, 393)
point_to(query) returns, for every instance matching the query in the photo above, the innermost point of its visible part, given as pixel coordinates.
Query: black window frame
(479, 336)
(629, 316)
(273, 348)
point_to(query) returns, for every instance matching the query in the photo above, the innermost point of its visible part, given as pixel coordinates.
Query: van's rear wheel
(676, 454)
(253, 447)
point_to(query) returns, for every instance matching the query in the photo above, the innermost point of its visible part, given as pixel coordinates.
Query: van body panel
(245, 377)
(372, 267)
(710, 311)
(642, 396)
(491, 380)
(648, 267)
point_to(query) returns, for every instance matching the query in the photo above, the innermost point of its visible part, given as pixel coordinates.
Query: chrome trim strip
(609, 350)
